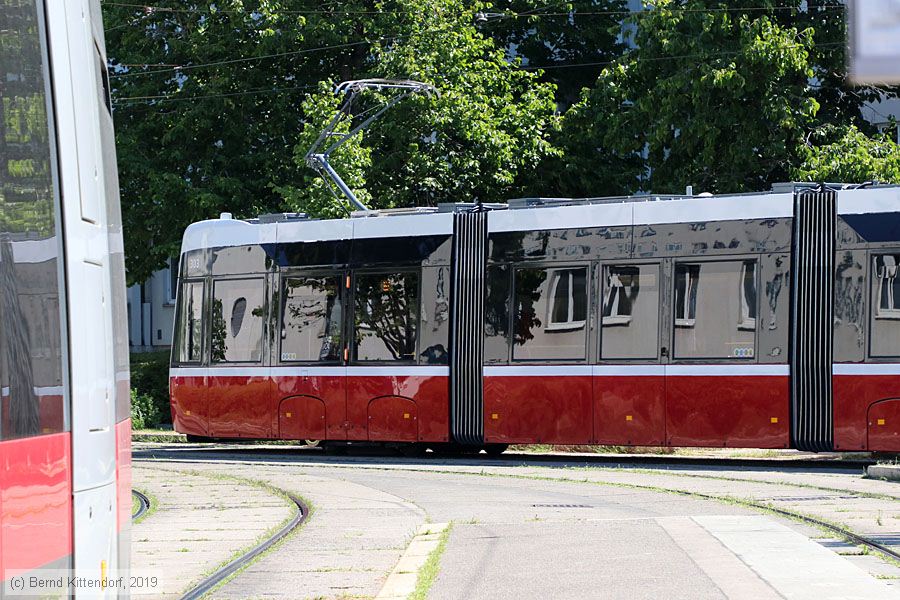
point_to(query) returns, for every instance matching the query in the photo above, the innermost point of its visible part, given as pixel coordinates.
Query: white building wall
(151, 312)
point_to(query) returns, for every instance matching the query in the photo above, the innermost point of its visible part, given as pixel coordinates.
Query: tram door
(239, 383)
(310, 377)
(629, 381)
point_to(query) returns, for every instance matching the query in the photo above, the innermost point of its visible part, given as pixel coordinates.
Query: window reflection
(31, 334)
(630, 312)
(715, 309)
(886, 305)
(190, 323)
(311, 322)
(550, 313)
(238, 310)
(387, 313)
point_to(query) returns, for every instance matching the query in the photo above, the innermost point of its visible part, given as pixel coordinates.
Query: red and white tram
(65, 484)
(765, 320)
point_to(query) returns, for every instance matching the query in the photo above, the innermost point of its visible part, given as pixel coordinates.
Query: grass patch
(429, 571)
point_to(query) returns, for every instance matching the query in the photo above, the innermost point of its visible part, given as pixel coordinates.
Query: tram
(65, 451)
(767, 320)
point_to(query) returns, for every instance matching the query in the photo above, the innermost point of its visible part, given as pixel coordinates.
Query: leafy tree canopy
(847, 154)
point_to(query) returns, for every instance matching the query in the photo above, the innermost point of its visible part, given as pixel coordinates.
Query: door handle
(664, 352)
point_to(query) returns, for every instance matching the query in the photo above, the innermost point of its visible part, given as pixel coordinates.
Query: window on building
(171, 280)
(630, 312)
(386, 316)
(311, 319)
(885, 335)
(715, 310)
(550, 308)
(238, 314)
(189, 328)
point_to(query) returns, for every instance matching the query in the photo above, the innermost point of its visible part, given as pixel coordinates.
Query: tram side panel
(398, 334)
(725, 325)
(866, 371)
(677, 335)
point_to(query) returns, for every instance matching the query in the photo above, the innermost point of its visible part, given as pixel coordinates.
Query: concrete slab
(886, 472)
(794, 565)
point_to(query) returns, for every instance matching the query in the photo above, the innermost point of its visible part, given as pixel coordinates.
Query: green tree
(847, 154)
(480, 138)
(208, 99)
(574, 40)
(711, 95)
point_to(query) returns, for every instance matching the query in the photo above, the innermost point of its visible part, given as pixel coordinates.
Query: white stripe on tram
(724, 370)
(294, 371)
(635, 370)
(866, 369)
(50, 390)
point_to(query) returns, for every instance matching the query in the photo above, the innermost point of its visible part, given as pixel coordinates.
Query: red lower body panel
(298, 403)
(728, 410)
(546, 409)
(858, 407)
(630, 411)
(35, 502)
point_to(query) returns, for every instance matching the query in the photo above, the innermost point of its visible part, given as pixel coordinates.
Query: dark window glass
(886, 305)
(238, 313)
(387, 316)
(311, 319)
(715, 310)
(496, 314)
(31, 330)
(189, 331)
(551, 310)
(630, 312)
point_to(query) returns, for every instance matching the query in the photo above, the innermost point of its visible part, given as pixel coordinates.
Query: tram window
(386, 316)
(885, 305)
(715, 310)
(630, 317)
(496, 314)
(190, 323)
(238, 313)
(311, 319)
(550, 314)
(32, 333)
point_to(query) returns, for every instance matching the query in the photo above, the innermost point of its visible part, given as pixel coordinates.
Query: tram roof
(529, 214)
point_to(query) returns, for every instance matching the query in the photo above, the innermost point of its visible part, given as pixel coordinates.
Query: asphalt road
(537, 531)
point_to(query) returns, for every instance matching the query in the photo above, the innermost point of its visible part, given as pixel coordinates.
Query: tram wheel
(312, 443)
(495, 450)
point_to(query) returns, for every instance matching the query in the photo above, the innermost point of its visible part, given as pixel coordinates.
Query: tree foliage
(847, 154)
(216, 103)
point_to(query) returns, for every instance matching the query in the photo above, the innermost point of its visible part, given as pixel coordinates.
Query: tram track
(222, 573)
(262, 456)
(143, 505)
(561, 458)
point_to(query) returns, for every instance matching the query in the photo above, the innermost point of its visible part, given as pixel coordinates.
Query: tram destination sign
(874, 55)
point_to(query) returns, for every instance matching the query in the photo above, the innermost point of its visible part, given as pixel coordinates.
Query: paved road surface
(539, 531)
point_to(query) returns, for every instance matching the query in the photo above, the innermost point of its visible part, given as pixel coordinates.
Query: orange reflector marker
(405, 415)
(881, 421)
(495, 416)
(187, 413)
(288, 415)
(773, 420)
(629, 418)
